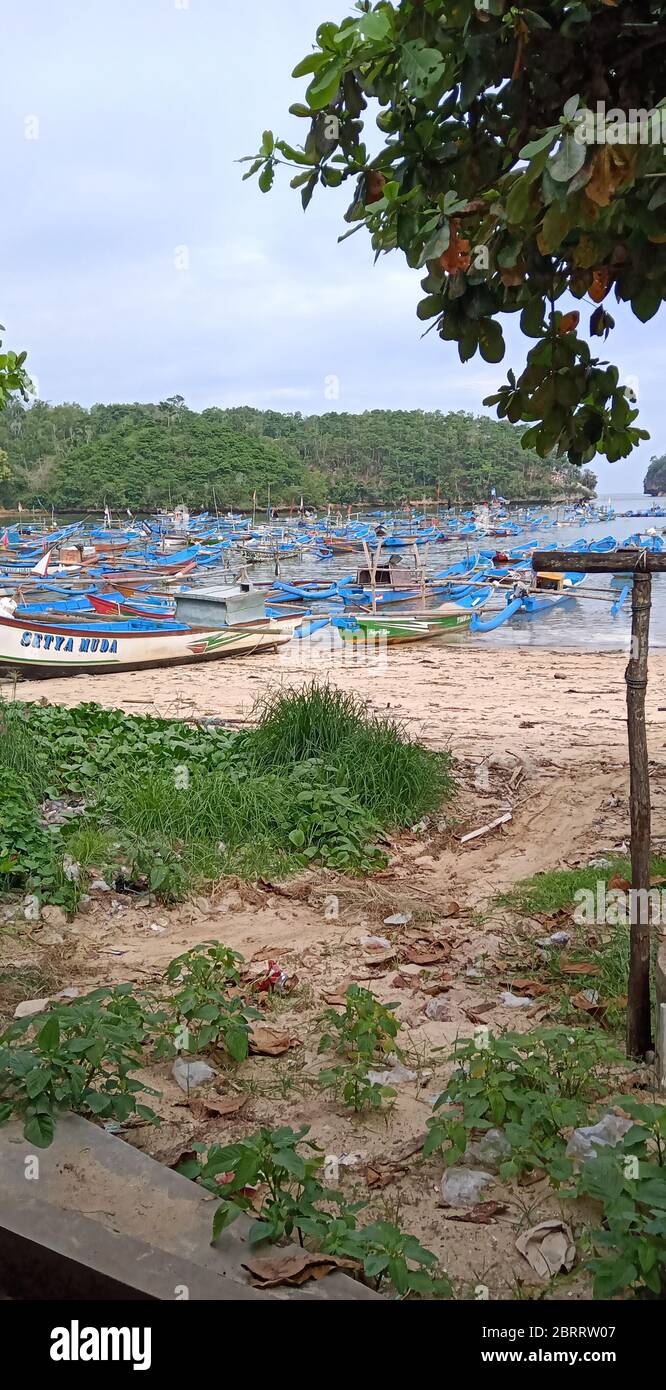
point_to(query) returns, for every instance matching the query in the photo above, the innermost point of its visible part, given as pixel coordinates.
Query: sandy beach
(567, 705)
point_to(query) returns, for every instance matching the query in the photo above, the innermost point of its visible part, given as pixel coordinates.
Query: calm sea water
(578, 622)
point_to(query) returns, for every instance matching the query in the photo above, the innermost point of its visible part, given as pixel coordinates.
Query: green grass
(318, 780)
(397, 779)
(555, 890)
(19, 753)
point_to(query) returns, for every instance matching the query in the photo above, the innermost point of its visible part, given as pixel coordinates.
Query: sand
(540, 735)
(566, 705)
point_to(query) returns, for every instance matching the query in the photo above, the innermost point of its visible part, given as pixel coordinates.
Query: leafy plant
(352, 1084)
(630, 1183)
(205, 1011)
(366, 1028)
(267, 1174)
(77, 1057)
(534, 1086)
(31, 857)
(498, 179)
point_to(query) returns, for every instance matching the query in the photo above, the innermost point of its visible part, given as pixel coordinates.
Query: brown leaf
(477, 1015)
(569, 322)
(293, 1267)
(268, 1042)
(383, 1177)
(222, 1106)
(374, 186)
(339, 1000)
(480, 1214)
(579, 967)
(457, 256)
(426, 953)
(450, 909)
(600, 284)
(618, 882)
(612, 165)
(379, 957)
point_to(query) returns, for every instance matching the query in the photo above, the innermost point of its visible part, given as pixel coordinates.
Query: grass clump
(318, 781)
(396, 779)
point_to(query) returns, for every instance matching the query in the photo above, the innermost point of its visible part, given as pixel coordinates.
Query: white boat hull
(57, 649)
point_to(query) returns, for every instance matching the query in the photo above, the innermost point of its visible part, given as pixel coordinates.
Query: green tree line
(144, 455)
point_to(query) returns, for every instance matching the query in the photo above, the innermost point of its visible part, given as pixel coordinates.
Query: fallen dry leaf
(293, 1267)
(268, 1042)
(451, 909)
(222, 1106)
(430, 953)
(382, 1177)
(617, 881)
(480, 1214)
(579, 967)
(548, 1248)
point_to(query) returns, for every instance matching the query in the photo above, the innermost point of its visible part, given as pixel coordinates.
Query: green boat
(444, 621)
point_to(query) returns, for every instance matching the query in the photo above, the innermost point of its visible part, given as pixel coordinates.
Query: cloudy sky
(137, 264)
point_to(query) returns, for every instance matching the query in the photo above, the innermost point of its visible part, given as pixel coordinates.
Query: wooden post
(639, 1028)
(642, 564)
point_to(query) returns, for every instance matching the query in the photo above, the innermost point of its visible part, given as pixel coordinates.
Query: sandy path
(566, 705)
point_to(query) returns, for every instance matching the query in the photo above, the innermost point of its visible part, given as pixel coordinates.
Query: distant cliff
(654, 483)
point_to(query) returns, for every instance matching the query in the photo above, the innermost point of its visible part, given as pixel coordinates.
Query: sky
(137, 264)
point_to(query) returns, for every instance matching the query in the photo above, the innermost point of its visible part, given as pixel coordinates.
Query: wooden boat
(444, 621)
(43, 648)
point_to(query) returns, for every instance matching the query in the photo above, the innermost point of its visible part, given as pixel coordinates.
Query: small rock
(71, 992)
(156, 927)
(31, 908)
(438, 1010)
(472, 973)
(607, 1133)
(189, 1075)
(462, 1187)
(99, 886)
(420, 826)
(399, 919)
(85, 903)
(47, 936)
(375, 943)
(54, 917)
(514, 1001)
(490, 1149)
(28, 1007)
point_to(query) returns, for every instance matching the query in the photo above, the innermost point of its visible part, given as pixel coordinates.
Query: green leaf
(323, 90)
(543, 142)
(518, 201)
(647, 301)
(568, 160)
(39, 1130)
(428, 308)
(48, 1036)
(375, 25)
(491, 341)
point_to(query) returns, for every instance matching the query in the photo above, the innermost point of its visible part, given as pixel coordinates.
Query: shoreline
(544, 703)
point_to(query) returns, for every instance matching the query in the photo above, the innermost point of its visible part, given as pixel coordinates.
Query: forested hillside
(143, 455)
(654, 483)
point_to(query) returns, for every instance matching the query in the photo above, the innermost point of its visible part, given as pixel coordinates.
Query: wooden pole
(639, 1026)
(642, 564)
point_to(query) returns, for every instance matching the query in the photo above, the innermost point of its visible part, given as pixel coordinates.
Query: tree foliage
(497, 177)
(655, 478)
(144, 455)
(13, 376)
